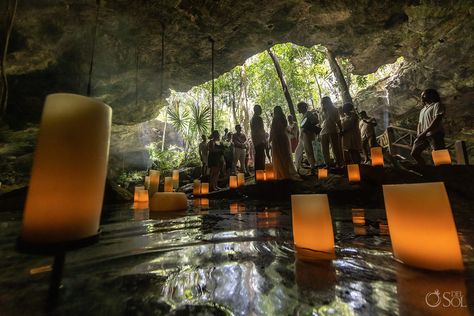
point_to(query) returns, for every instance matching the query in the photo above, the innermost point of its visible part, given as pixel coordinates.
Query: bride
(281, 151)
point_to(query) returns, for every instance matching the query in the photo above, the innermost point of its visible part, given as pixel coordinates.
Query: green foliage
(128, 177)
(171, 158)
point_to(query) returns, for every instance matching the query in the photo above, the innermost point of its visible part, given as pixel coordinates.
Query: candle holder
(58, 250)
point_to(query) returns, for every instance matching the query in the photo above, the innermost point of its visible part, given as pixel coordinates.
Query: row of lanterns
(422, 228)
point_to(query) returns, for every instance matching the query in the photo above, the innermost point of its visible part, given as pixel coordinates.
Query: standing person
(367, 132)
(430, 128)
(330, 127)
(281, 150)
(228, 154)
(215, 157)
(240, 148)
(293, 132)
(351, 140)
(307, 135)
(257, 131)
(203, 154)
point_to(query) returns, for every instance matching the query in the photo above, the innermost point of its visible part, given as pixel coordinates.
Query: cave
(145, 79)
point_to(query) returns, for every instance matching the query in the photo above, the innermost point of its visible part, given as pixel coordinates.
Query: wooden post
(462, 157)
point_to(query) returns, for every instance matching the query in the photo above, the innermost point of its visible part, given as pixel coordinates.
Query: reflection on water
(226, 258)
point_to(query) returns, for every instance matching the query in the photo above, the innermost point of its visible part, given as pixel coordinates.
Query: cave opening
(223, 157)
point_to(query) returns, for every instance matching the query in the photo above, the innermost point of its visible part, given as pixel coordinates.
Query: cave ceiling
(51, 44)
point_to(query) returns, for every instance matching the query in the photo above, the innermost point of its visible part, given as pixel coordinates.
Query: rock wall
(51, 46)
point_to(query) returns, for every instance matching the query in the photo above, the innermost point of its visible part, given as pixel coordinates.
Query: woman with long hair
(281, 150)
(330, 127)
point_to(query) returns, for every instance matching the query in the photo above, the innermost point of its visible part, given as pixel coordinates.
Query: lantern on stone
(422, 227)
(376, 155)
(353, 173)
(441, 157)
(312, 224)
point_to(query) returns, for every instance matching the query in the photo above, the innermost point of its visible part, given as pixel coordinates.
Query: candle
(322, 173)
(140, 198)
(358, 216)
(147, 182)
(233, 182)
(168, 201)
(135, 194)
(269, 173)
(353, 173)
(441, 157)
(168, 184)
(421, 224)
(175, 179)
(67, 181)
(383, 229)
(376, 156)
(204, 188)
(260, 175)
(197, 187)
(312, 224)
(360, 230)
(154, 181)
(234, 208)
(205, 204)
(240, 179)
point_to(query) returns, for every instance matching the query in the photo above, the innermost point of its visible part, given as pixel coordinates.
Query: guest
(240, 147)
(215, 157)
(293, 132)
(281, 150)
(268, 146)
(203, 155)
(257, 132)
(330, 127)
(430, 128)
(228, 154)
(307, 135)
(367, 132)
(351, 140)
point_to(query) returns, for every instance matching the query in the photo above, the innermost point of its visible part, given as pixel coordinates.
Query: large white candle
(197, 187)
(69, 169)
(154, 182)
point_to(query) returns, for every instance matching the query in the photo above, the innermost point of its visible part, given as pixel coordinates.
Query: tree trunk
(320, 94)
(244, 111)
(341, 81)
(283, 83)
(164, 130)
(234, 110)
(10, 18)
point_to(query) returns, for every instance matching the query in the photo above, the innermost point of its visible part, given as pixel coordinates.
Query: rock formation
(51, 46)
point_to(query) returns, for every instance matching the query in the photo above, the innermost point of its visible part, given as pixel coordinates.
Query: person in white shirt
(430, 128)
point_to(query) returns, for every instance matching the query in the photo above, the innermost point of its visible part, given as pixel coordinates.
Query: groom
(307, 136)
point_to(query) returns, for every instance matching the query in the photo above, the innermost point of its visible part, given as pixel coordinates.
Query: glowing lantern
(422, 228)
(204, 188)
(240, 179)
(234, 208)
(147, 182)
(197, 187)
(154, 182)
(260, 175)
(269, 172)
(175, 179)
(205, 204)
(71, 156)
(441, 157)
(312, 224)
(383, 229)
(358, 216)
(376, 156)
(168, 201)
(140, 198)
(233, 182)
(168, 184)
(322, 174)
(353, 173)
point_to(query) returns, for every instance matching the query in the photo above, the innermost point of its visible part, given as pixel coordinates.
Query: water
(228, 258)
